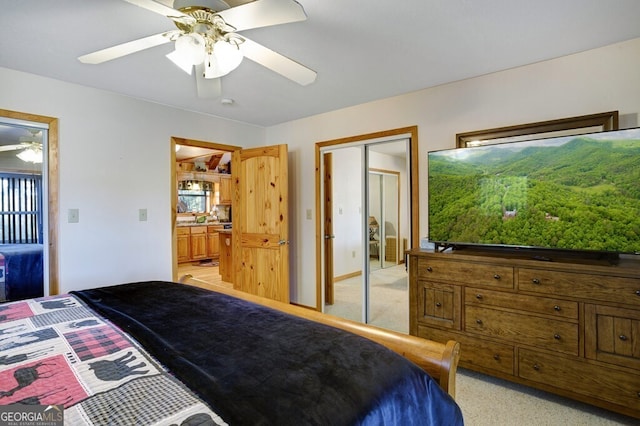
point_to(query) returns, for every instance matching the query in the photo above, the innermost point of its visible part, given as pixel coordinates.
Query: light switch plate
(142, 215)
(73, 216)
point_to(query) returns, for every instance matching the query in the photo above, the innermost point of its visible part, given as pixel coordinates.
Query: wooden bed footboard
(439, 360)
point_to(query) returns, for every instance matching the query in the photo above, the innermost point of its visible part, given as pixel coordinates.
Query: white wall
(114, 157)
(109, 245)
(599, 80)
(347, 210)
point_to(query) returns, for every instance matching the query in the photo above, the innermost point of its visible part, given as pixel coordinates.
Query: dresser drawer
(439, 304)
(615, 386)
(584, 286)
(536, 304)
(464, 272)
(476, 353)
(553, 334)
(612, 335)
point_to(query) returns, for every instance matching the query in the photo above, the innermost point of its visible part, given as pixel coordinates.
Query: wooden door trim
(412, 131)
(174, 188)
(53, 190)
(328, 228)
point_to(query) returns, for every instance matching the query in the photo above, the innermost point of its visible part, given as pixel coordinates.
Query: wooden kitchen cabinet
(213, 241)
(226, 257)
(225, 189)
(183, 243)
(198, 242)
(571, 326)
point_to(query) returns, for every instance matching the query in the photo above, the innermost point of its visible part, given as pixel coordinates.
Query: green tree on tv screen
(568, 193)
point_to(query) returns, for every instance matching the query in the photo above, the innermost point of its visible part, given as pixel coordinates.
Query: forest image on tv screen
(576, 193)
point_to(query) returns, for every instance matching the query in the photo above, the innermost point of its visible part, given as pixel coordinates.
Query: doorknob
(329, 237)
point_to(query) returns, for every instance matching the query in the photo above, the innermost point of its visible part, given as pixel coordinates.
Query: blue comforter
(24, 270)
(258, 366)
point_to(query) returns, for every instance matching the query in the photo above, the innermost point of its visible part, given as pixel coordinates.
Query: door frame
(174, 188)
(412, 134)
(52, 189)
(328, 228)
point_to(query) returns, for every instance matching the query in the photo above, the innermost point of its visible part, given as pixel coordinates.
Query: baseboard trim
(347, 276)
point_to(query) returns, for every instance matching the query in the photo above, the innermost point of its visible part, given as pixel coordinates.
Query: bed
(169, 353)
(21, 271)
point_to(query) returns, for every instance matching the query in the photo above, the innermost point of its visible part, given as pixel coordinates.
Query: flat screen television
(573, 193)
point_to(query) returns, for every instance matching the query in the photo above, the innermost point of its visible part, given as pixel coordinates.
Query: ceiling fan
(207, 39)
(31, 147)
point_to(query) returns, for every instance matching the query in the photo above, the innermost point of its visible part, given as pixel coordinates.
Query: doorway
(372, 208)
(207, 272)
(29, 205)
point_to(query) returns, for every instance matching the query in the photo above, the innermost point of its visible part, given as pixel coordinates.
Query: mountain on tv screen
(570, 193)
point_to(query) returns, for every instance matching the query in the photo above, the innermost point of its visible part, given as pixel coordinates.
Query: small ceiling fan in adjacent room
(207, 39)
(30, 147)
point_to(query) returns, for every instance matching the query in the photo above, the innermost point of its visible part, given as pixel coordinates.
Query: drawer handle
(637, 292)
(623, 337)
(556, 336)
(557, 308)
(438, 304)
(496, 357)
(496, 276)
(429, 269)
(535, 281)
(479, 296)
(479, 321)
(536, 367)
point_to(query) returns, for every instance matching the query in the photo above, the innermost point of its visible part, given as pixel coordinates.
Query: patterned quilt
(55, 350)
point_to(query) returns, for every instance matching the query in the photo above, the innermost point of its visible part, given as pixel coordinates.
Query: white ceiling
(362, 50)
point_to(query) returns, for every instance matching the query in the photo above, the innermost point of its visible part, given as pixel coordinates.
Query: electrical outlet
(142, 215)
(73, 216)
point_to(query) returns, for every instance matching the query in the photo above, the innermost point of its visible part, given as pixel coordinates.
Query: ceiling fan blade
(127, 48)
(263, 13)
(207, 87)
(277, 62)
(164, 10)
(11, 147)
(33, 139)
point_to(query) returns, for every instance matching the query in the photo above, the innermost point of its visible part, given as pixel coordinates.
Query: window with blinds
(20, 209)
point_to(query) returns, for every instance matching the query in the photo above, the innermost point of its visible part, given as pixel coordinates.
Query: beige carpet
(389, 299)
(484, 400)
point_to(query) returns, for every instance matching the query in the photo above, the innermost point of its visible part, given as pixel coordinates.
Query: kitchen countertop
(181, 224)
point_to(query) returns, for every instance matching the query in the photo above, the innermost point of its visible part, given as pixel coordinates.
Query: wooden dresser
(571, 327)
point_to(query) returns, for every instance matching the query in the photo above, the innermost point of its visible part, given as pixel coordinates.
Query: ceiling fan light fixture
(192, 47)
(224, 58)
(183, 63)
(30, 155)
